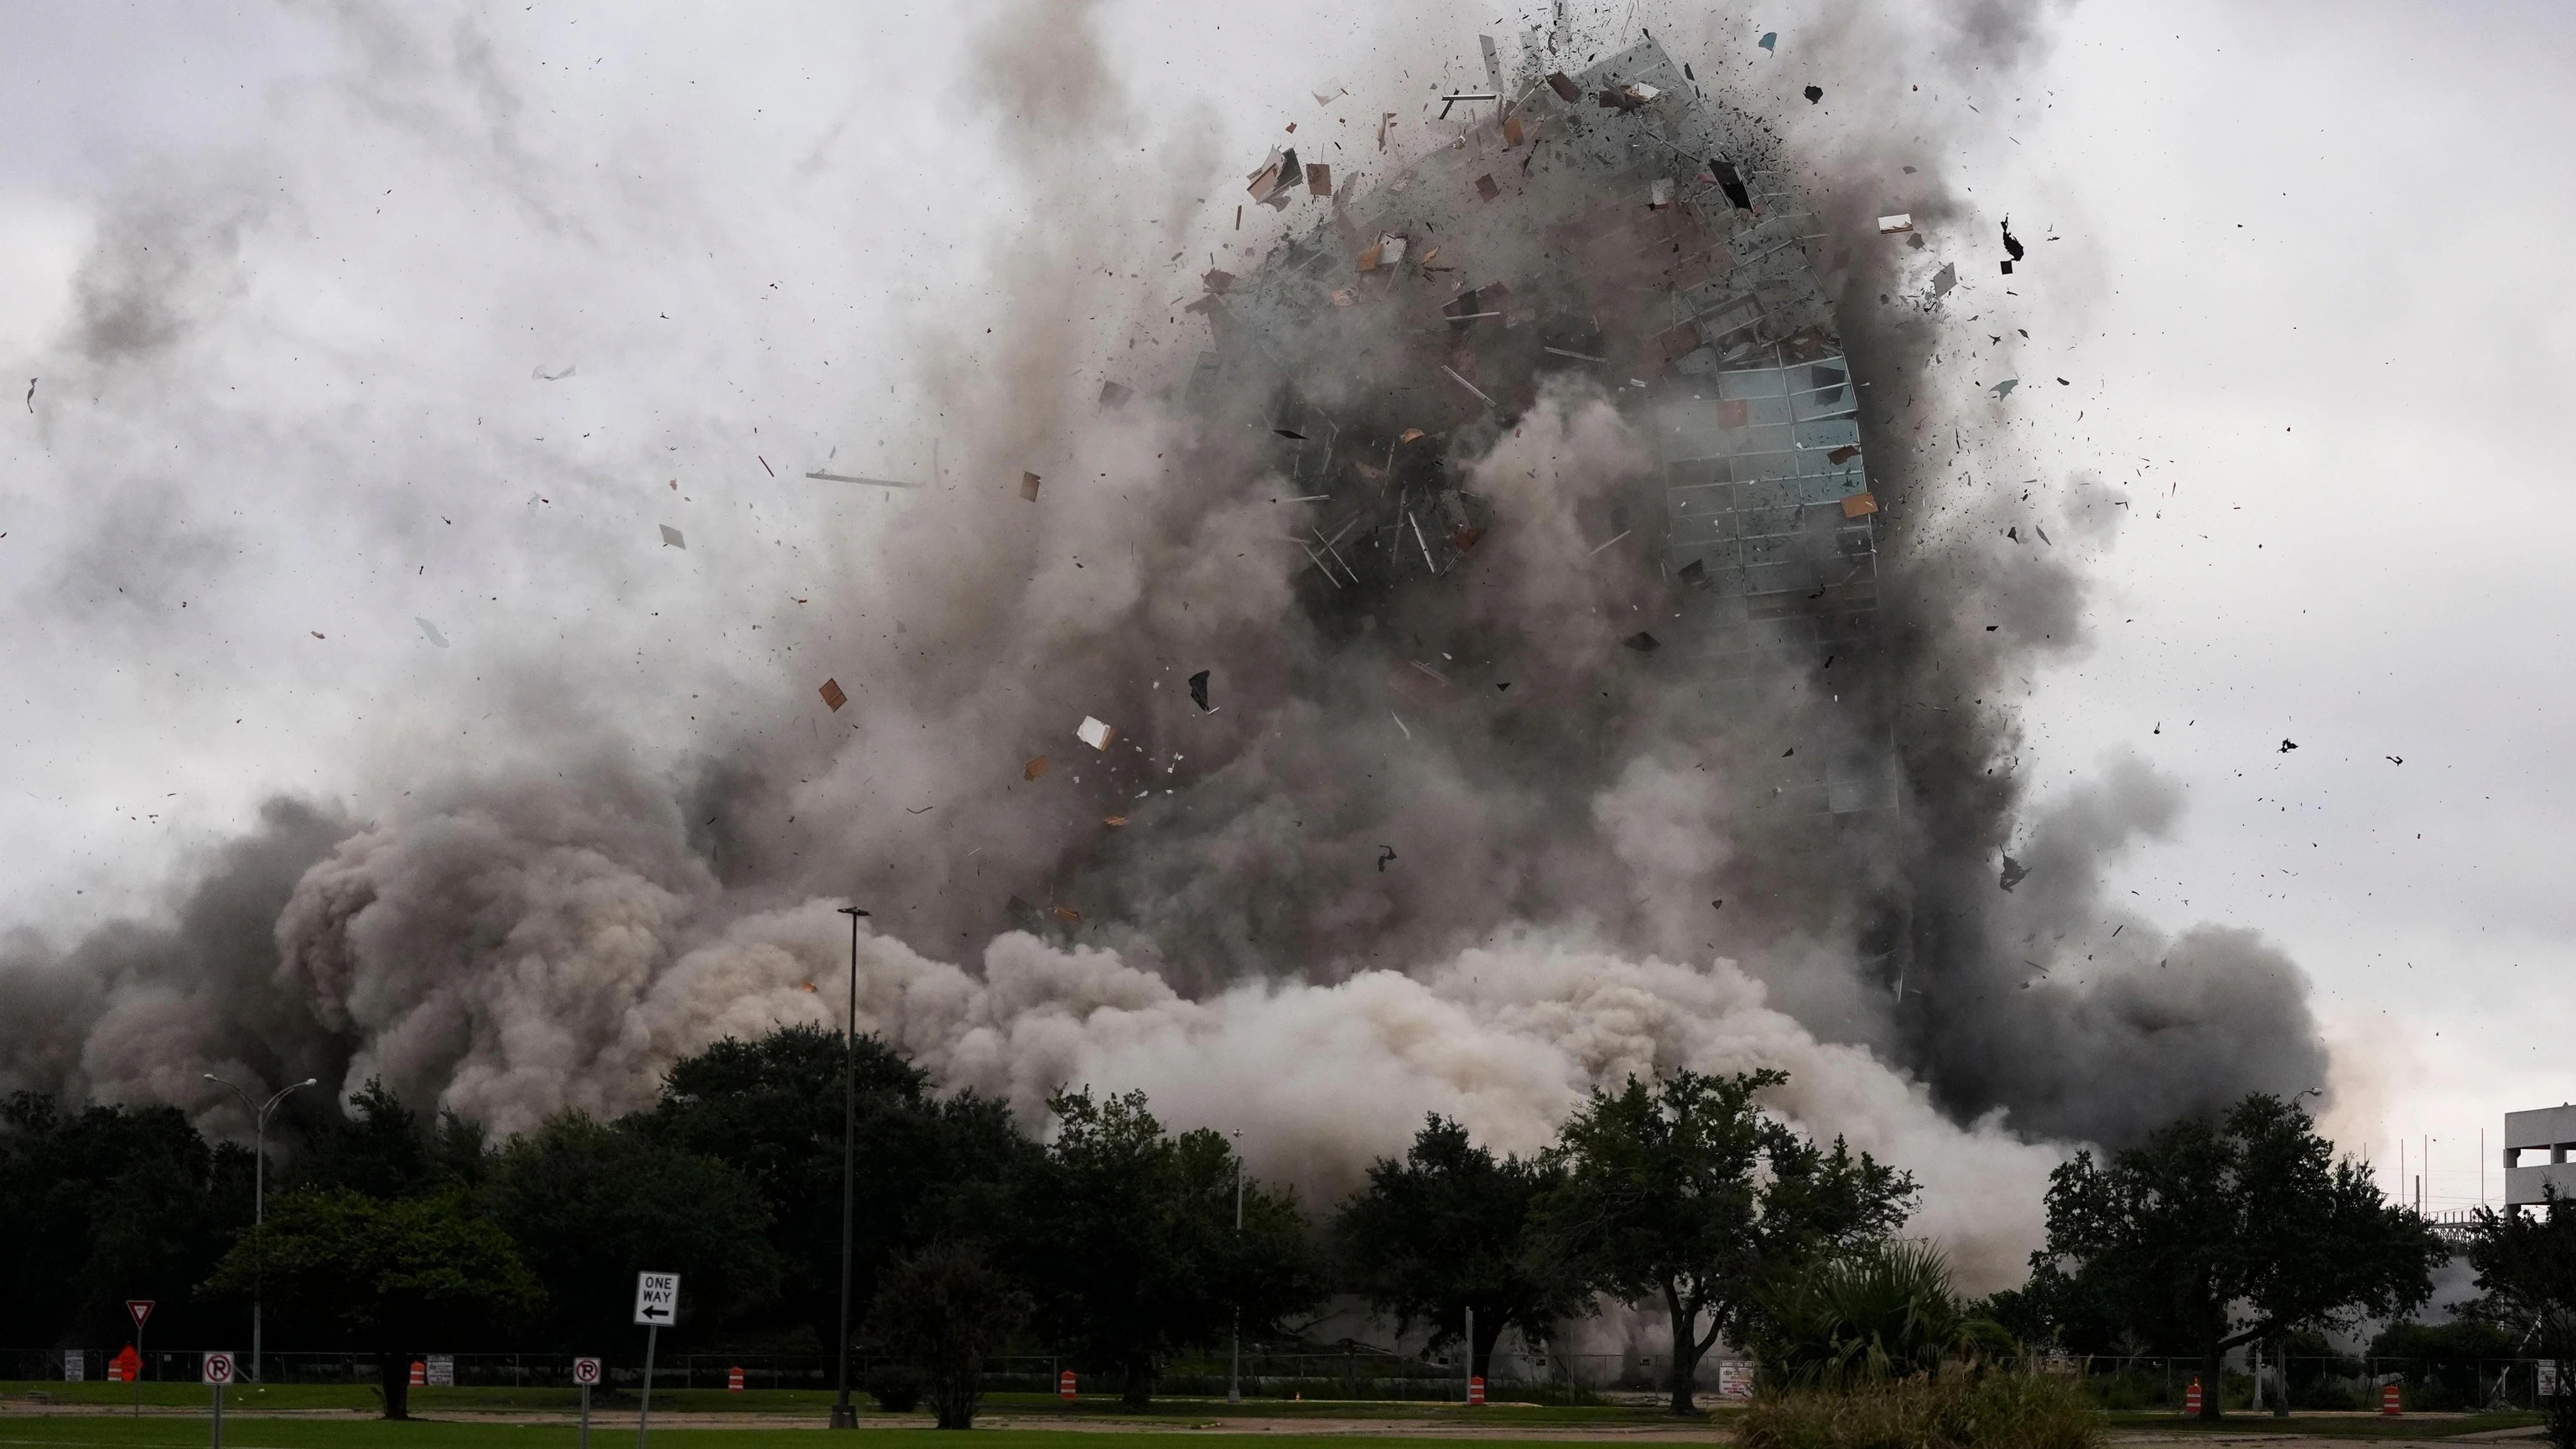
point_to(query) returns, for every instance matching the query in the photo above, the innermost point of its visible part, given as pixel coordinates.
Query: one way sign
(657, 1299)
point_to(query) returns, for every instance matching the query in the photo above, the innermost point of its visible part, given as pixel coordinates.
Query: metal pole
(585, 1416)
(139, 1361)
(219, 1416)
(1467, 1388)
(644, 1415)
(843, 1416)
(1234, 1373)
(259, 1201)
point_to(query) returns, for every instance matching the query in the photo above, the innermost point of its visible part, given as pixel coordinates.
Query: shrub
(1992, 1411)
(895, 1386)
(1883, 1311)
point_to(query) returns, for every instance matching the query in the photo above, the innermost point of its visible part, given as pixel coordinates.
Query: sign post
(657, 1301)
(140, 1309)
(217, 1369)
(585, 1372)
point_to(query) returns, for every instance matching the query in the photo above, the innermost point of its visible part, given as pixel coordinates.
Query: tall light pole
(844, 1416)
(258, 1197)
(1234, 1372)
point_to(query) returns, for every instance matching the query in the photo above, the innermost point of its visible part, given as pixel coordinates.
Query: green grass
(254, 1401)
(102, 1431)
(2329, 1426)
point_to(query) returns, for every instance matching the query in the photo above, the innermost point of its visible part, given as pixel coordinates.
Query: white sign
(442, 1371)
(657, 1299)
(2548, 1385)
(75, 1366)
(585, 1371)
(1734, 1379)
(217, 1369)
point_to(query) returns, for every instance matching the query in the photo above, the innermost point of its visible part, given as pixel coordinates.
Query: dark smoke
(530, 936)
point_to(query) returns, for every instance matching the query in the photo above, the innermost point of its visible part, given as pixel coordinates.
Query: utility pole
(1235, 1373)
(259, 1201)
(844, 1416)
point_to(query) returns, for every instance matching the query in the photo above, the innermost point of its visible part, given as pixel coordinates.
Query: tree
(1128, 1235)
(2223, 1230)
(1687, 1193)
(590, 1205)
(1449, 1228)
(109, 1203)
(2526, 1267)
(381, 1148)
(389, 1275)
(771, 1109)
(943, 1309)
(1885, 1311)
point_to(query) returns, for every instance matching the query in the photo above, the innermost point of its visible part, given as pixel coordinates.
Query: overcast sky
(287, 277)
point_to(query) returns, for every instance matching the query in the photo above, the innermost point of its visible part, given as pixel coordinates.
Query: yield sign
(141, 1308)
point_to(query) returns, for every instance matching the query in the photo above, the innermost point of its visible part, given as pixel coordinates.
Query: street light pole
(844, 1416)
(259, 1200)
(1234, 1371)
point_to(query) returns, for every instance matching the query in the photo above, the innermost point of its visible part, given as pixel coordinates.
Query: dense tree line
(1115, 1241)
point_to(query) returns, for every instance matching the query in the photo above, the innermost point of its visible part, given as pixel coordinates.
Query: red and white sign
(141, 1308)
(585, 1371)
(1476, 1389)
(2191, 1400)
(2388, 1407)
(1064, 1386)
(216, 1369)
(733, 1379)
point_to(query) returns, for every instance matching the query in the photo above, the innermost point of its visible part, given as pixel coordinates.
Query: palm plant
(1886, 1311)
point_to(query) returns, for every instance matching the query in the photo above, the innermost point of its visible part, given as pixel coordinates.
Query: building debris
(1319, 179)
(1860, 505)
(832, 695)
(1659, 193)
(2014, 873)
(1278, 172)
(1113, 396)
(764, 466)
(1034, 769)
(1113, 820)
(671, 538)
(2288, 745)
(1944, 279)
(1891, 225)
(1029, 486)
(1094, 733)
(2012, 244)
(541, 375)
(822, 476)
(31, 395)
(1068, 913)
(1815, 94)
(1218, 281)
(1487, 187)
(1469, 386)
(1385, 853)
(1199, 689)
(431, 630)
(1564, 86)
(1643, 642)
(1447, 101)
(1770, 41)
(2005, 387)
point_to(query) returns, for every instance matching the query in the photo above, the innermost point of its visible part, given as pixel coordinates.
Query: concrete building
(2551, 1130)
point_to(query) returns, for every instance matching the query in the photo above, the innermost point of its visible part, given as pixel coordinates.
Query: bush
(895, 1386)
(1994, 1411)
(1884, 1311)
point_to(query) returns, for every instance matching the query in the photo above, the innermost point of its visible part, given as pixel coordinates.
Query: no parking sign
(585, 1371)
(217, 1369)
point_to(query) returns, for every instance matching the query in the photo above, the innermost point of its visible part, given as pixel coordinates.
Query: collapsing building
(1611, 230)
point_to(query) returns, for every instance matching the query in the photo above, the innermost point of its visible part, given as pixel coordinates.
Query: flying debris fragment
(1094, 733)
(2014, 873)
(1860, 505)
(1199, 689)
(832, 695)
(541, 375)
(1029, 486)
(1385, 853)
(1902, 221)
(671, 538)
(1113, 396)
(2287, 746)
(1770, 41)
(1815, 94)
(1034, 768)
(1319, 179)
(1564, 86)
(1278, 173)
(1643, 642)
(1944, 279)
(2012, 247)
(431, 631)
(818, 473)
(2005, 387)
